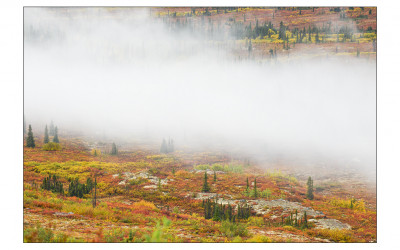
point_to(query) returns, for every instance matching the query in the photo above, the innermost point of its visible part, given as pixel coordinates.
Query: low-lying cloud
(130, 76)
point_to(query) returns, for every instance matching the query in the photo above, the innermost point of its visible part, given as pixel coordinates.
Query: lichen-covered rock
(331, 224)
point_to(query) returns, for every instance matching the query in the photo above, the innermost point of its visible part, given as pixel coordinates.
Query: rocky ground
(260, 206)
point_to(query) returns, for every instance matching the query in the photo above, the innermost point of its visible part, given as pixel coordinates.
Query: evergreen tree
(282, 31)
(170, 146)
(310, 189)
(46, 136)
(250, 46)
(159, 184)
(217, 213)
(247, 187)
(95, 193)
(78, 189)
(55, 138)
(164, 147)
(305, 221)
(207, 209)
(244, 211)
(30, 141)
(52, 130)
(229, 212)
(271, 52)
(114, 150)
(215, 176)
(205, 188)
(255, 187)
(317, 37)
(130, 239)
(52, 183)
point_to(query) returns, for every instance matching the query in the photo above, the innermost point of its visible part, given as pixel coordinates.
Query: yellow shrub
(206, 240)
(275, 36)
(259, 239)
(78, 208)
(202, 167)
(358, 205)
(144, 205)
(237, 239)
(51, 146)
(290, 228)
(335, 235)
(255, 221)
(182, 173)
(155, 157)
(101, 212)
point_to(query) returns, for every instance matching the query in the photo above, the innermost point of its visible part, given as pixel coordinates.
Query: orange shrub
(143, 206)
(44, 204)
(182, 173)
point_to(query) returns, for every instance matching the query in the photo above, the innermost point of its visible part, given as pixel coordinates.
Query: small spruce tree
(55, 138)
(30, 141)
(255, 188)
(94, 201)
(310, 189)
(114, 150)
(170, 146)
(46, 136)
(205, 188)
(305, 220)
(164, 147)
(215, 176)
(159, 184)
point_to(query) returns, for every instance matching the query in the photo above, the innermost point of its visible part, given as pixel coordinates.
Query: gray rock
(331, 224)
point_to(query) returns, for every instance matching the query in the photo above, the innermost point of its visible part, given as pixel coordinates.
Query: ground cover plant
(218, 124)
(58, 197)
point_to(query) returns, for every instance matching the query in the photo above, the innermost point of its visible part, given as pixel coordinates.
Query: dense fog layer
(128, 75)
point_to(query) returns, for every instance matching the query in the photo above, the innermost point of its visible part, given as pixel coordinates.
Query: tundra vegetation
(142, 196)
(282, 32)
(81, 188)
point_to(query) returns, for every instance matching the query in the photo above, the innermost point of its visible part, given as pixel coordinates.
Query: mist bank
(130, 80)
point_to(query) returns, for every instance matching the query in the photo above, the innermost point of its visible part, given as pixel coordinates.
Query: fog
(127, 75)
